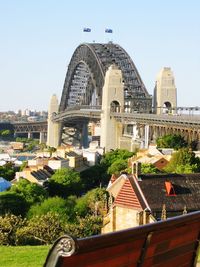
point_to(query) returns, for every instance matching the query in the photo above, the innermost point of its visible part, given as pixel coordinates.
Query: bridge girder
(26, 127)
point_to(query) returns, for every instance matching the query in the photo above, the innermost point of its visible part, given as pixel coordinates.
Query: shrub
(41, 230)
(9, 224)
(90, 225)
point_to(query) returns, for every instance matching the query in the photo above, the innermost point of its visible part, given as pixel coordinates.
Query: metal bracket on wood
(144, 249)
(197, 250)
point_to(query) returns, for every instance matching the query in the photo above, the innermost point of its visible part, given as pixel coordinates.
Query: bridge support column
(154, 137)
(42, 137)
(30, 135)
(165, 99)
(146, 136)
(54, 128)
(155, 133)
(53, 135)
(84, 137)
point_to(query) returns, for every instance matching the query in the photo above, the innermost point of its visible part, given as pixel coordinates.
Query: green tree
(65, 182)
(148, 168)
(171, 141)
(183, 161)
(11, 202)
(82, 206)
(21, 139)
(99, 174)
(42, 146)
(116, 161)
(24, 165)
(92, 203)
(32, 192)
(51, 149)
(94, 176)
(64, 208)
(187, 168)
(5, 133)
(29, 147)
(29, 144)
(110, 157)
(7, 171)
(117, 166)
(194, 145)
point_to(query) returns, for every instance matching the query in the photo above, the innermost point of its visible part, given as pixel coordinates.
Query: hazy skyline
(38, 39)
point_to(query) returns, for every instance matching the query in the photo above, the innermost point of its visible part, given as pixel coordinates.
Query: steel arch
(86, 71)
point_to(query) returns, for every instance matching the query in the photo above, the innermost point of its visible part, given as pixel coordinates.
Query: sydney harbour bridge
(82, 94)
(85, 79)
(86, 73)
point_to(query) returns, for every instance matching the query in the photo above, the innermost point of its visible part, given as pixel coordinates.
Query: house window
(170, 189)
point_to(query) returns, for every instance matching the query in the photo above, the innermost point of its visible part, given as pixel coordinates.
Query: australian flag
(86, 29)
(108, 30)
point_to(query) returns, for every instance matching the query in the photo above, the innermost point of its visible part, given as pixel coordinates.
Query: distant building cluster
(41, 167)
(23, 115)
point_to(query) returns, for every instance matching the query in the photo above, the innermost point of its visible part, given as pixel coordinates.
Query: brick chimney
(136, 169)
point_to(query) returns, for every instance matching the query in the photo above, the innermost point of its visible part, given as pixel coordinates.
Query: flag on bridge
(86, 29)
(108, 30)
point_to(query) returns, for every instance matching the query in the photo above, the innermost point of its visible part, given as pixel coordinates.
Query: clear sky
(38, 38)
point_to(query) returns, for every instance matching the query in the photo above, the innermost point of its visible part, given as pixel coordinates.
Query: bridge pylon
(165, 94)
(112, 101)
(53, 131)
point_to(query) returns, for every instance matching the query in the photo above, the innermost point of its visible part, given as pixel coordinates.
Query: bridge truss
(26, 127)
(85, 77)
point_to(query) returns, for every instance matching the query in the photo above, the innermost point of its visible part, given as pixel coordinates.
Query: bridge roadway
(188, 121)
(188, 125)
(94, 112)
(78, 113)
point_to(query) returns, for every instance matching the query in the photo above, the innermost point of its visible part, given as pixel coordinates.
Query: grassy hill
(23, 256)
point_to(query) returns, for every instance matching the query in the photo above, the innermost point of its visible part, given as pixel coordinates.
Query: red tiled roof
(127, 196)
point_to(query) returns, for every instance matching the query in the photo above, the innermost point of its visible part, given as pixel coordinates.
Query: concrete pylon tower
(112, 101)
(53, 134)
(165, 95)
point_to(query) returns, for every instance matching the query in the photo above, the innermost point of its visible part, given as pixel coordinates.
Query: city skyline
(39, 38)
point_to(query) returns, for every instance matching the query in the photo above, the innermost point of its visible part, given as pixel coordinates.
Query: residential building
(56, 163)
(17, 146)
(35, 174)
(62, 150)
(151, 156)
(75, 160)
(137, 200)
